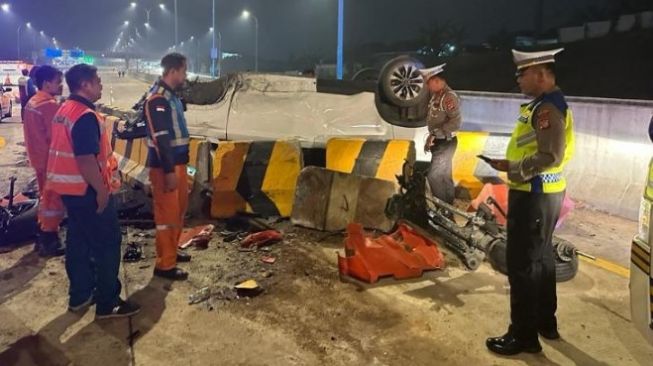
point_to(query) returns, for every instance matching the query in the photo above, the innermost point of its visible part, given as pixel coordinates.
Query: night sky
(287, 27)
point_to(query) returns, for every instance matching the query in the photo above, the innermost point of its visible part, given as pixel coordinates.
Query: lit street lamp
(5, 7)
(247, 15)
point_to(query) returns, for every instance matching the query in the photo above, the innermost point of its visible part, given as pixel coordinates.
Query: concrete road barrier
(255, 177)
(382, 159)
(470, 173)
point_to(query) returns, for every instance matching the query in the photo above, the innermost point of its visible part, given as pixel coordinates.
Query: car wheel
(409, 117)
(566, 259)
(401, 83)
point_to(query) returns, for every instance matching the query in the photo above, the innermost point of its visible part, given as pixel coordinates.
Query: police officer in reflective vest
(443, 121)
(541, 145)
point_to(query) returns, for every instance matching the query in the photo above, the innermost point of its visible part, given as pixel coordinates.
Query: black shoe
(49, 245)
(123, 309)
(508, 345)
(175, 274)
(83, 306)
(183, 257)
(550, 334)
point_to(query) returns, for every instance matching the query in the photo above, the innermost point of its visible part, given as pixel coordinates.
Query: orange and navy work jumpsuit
(167, 153)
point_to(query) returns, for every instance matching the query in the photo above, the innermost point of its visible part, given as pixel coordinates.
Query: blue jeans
(92, 251)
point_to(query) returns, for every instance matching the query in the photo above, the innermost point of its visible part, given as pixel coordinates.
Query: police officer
(541, 145)
(443, 121)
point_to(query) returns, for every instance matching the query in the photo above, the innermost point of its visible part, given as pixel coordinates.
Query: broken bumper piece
(403, 254)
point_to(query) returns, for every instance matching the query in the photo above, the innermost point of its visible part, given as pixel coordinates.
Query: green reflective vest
(523, 143)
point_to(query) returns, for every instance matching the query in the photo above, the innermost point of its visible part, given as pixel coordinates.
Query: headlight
(644, 218)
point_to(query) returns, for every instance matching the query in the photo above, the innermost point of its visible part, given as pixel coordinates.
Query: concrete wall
(612, 145)
(646, 19)
(598, 29)
(571, 34)
(626, 23)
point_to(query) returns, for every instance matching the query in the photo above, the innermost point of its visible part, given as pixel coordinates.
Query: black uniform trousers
(440, 172)
(531, 261)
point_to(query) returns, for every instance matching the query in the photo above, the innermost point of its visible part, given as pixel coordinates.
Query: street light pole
(176, 28)
(246, 15)
(18, 43)
(214, 31)
(256, 47)
(219, 54)
(341, 16)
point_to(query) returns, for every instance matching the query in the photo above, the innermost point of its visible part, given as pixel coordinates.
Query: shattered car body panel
(268, 107)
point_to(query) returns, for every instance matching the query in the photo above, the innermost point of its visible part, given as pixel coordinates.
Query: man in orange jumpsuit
(37, 128)
(167, 157)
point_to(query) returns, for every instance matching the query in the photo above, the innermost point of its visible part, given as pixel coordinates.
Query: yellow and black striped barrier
(641, 258)
(132, 159)
(381, 159)
(471, 173)
(255, 177)
(641, 287)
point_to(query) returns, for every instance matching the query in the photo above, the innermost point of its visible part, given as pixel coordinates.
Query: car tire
(409, 117)
(401, 83)
(566, 259)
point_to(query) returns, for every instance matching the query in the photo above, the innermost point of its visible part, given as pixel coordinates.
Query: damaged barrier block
(328, 200)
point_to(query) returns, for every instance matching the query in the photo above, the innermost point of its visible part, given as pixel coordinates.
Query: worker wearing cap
(541, 145)
(443, 122)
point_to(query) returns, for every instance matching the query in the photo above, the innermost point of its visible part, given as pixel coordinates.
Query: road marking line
(608, 266)
(2, 142)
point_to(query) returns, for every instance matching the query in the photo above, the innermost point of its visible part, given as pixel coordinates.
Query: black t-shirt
(86, 141)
